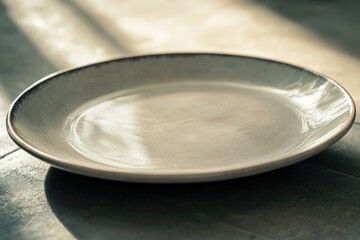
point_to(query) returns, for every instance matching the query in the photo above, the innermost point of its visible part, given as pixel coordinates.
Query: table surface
(318, 198)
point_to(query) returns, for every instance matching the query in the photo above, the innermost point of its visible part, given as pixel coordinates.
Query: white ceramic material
(181, 117)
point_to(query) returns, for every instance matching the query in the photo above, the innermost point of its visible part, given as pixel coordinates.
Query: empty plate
(180, 117)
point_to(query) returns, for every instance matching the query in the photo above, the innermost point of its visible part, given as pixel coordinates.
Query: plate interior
(186, 126)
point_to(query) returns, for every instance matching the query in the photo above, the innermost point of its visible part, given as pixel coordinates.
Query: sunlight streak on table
(74, 32)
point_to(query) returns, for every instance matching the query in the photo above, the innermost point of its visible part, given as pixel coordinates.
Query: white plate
(181, 117)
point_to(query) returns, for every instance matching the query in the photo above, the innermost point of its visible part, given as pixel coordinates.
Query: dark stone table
(318, 198)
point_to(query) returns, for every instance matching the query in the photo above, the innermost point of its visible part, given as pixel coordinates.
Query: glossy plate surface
(181, 117)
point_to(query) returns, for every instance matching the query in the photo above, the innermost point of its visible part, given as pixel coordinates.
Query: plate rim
(200, 175)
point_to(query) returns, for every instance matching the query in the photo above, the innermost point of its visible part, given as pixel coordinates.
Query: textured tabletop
(318, 198)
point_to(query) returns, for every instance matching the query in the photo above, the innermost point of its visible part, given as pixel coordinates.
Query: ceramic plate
(180, 117)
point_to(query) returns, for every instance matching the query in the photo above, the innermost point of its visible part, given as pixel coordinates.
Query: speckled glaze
(180, 117)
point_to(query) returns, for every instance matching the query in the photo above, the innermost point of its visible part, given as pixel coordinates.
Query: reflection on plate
(182, 117)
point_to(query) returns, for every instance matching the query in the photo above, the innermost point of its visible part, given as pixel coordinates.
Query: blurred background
(39, 37)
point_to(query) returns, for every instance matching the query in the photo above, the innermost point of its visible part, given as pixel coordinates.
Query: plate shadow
(303, 201)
